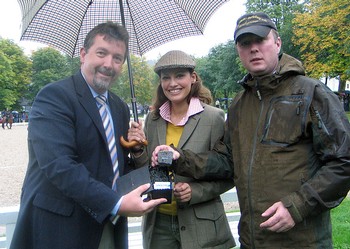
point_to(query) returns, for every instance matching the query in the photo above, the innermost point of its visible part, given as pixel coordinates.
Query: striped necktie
(107, 124)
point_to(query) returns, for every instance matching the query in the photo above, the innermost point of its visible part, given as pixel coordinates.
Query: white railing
(8, 218)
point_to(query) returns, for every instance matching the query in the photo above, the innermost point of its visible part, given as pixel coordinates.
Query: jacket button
(183, 228)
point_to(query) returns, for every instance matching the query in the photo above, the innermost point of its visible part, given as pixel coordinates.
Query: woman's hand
(182, 192)
(154, 160)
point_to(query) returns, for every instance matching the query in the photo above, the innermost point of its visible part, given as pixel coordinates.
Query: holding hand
(154, 159)
(133, 204)
(182, 192)
(136, 133)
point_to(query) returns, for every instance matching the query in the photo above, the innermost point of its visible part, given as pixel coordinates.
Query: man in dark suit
(67, 198)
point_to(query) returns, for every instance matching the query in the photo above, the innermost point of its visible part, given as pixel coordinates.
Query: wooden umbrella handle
(127, 144)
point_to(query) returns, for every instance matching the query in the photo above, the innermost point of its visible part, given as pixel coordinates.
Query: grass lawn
(341, 225)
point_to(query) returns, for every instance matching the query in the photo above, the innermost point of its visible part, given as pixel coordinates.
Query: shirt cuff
(115, 210)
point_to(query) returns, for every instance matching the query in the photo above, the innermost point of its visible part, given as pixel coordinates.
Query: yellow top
(173, 135)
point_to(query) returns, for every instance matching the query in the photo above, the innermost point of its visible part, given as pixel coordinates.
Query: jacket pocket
(54, 205)
(212, 226)
(285, 120)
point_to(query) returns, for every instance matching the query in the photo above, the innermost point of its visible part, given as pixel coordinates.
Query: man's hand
(154, 159)
(279, 219)
(133, 204)
(136, 133)
(182, 192)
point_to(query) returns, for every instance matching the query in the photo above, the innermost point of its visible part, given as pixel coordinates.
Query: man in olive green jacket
(287, 146)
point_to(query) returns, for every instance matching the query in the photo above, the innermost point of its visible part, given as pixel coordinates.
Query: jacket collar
(287, 66)
(195, 107)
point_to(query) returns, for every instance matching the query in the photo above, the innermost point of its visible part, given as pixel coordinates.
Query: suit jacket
(202, 221)
(66, 196)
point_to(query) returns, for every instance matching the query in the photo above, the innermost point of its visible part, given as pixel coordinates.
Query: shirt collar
(194, 107)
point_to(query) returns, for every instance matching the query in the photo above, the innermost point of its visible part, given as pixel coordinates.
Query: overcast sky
(219, 29)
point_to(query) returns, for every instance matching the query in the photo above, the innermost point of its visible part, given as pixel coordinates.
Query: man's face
(102, 63)
(259, 55)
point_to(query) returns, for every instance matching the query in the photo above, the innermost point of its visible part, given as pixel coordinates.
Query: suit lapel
(189, 129)
(187, 132)
(88, 102)
(161, 130)
(116, 115)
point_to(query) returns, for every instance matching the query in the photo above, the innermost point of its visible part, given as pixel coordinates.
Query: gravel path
(13, 163)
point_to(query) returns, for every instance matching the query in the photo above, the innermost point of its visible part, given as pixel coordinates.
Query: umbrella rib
(195, 24)
(80, 26)
(133, 28)
(27, 13)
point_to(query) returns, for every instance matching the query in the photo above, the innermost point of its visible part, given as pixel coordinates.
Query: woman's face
(176, 84)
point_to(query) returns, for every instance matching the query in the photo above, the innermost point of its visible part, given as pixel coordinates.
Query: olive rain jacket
(287, 139)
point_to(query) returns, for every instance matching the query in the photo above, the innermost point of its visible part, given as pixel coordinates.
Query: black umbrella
(150, 23)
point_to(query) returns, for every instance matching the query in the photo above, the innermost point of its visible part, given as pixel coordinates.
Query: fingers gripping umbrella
(63, 24)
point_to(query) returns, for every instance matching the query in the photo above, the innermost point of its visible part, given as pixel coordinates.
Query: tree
(144, 80)
(73, 63)
(220, 70)
(323, 34)
(14, 74)
(49, 65)
(282, 13)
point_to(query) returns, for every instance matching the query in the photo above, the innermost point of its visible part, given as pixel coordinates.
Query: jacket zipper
(251, 212)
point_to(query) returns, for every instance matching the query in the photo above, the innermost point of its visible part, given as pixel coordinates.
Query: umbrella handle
(127, 144)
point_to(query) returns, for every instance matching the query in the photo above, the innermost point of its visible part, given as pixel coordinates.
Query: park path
(13, 163)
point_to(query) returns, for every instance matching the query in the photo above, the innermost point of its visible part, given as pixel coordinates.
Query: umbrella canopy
(150, 23)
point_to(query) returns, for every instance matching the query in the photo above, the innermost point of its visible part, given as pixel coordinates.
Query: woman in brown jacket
(183, 117)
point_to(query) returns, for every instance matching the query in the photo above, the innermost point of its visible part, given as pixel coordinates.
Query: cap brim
(261, 31)
(158, 69)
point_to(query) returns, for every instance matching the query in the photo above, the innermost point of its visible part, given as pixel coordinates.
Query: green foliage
(73, 63)
(282, 13)
(220, 70)
(14, 74)
(341, 225)
(49, 65)
(348, 115)
(323, 34)
(144, 81)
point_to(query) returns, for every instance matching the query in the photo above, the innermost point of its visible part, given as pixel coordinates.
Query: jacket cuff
(140, 159)
(294, 205)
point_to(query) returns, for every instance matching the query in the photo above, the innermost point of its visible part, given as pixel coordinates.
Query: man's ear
(279, 44)
(82, 55)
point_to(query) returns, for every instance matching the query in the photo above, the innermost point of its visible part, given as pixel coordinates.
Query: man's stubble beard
(103, 85)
